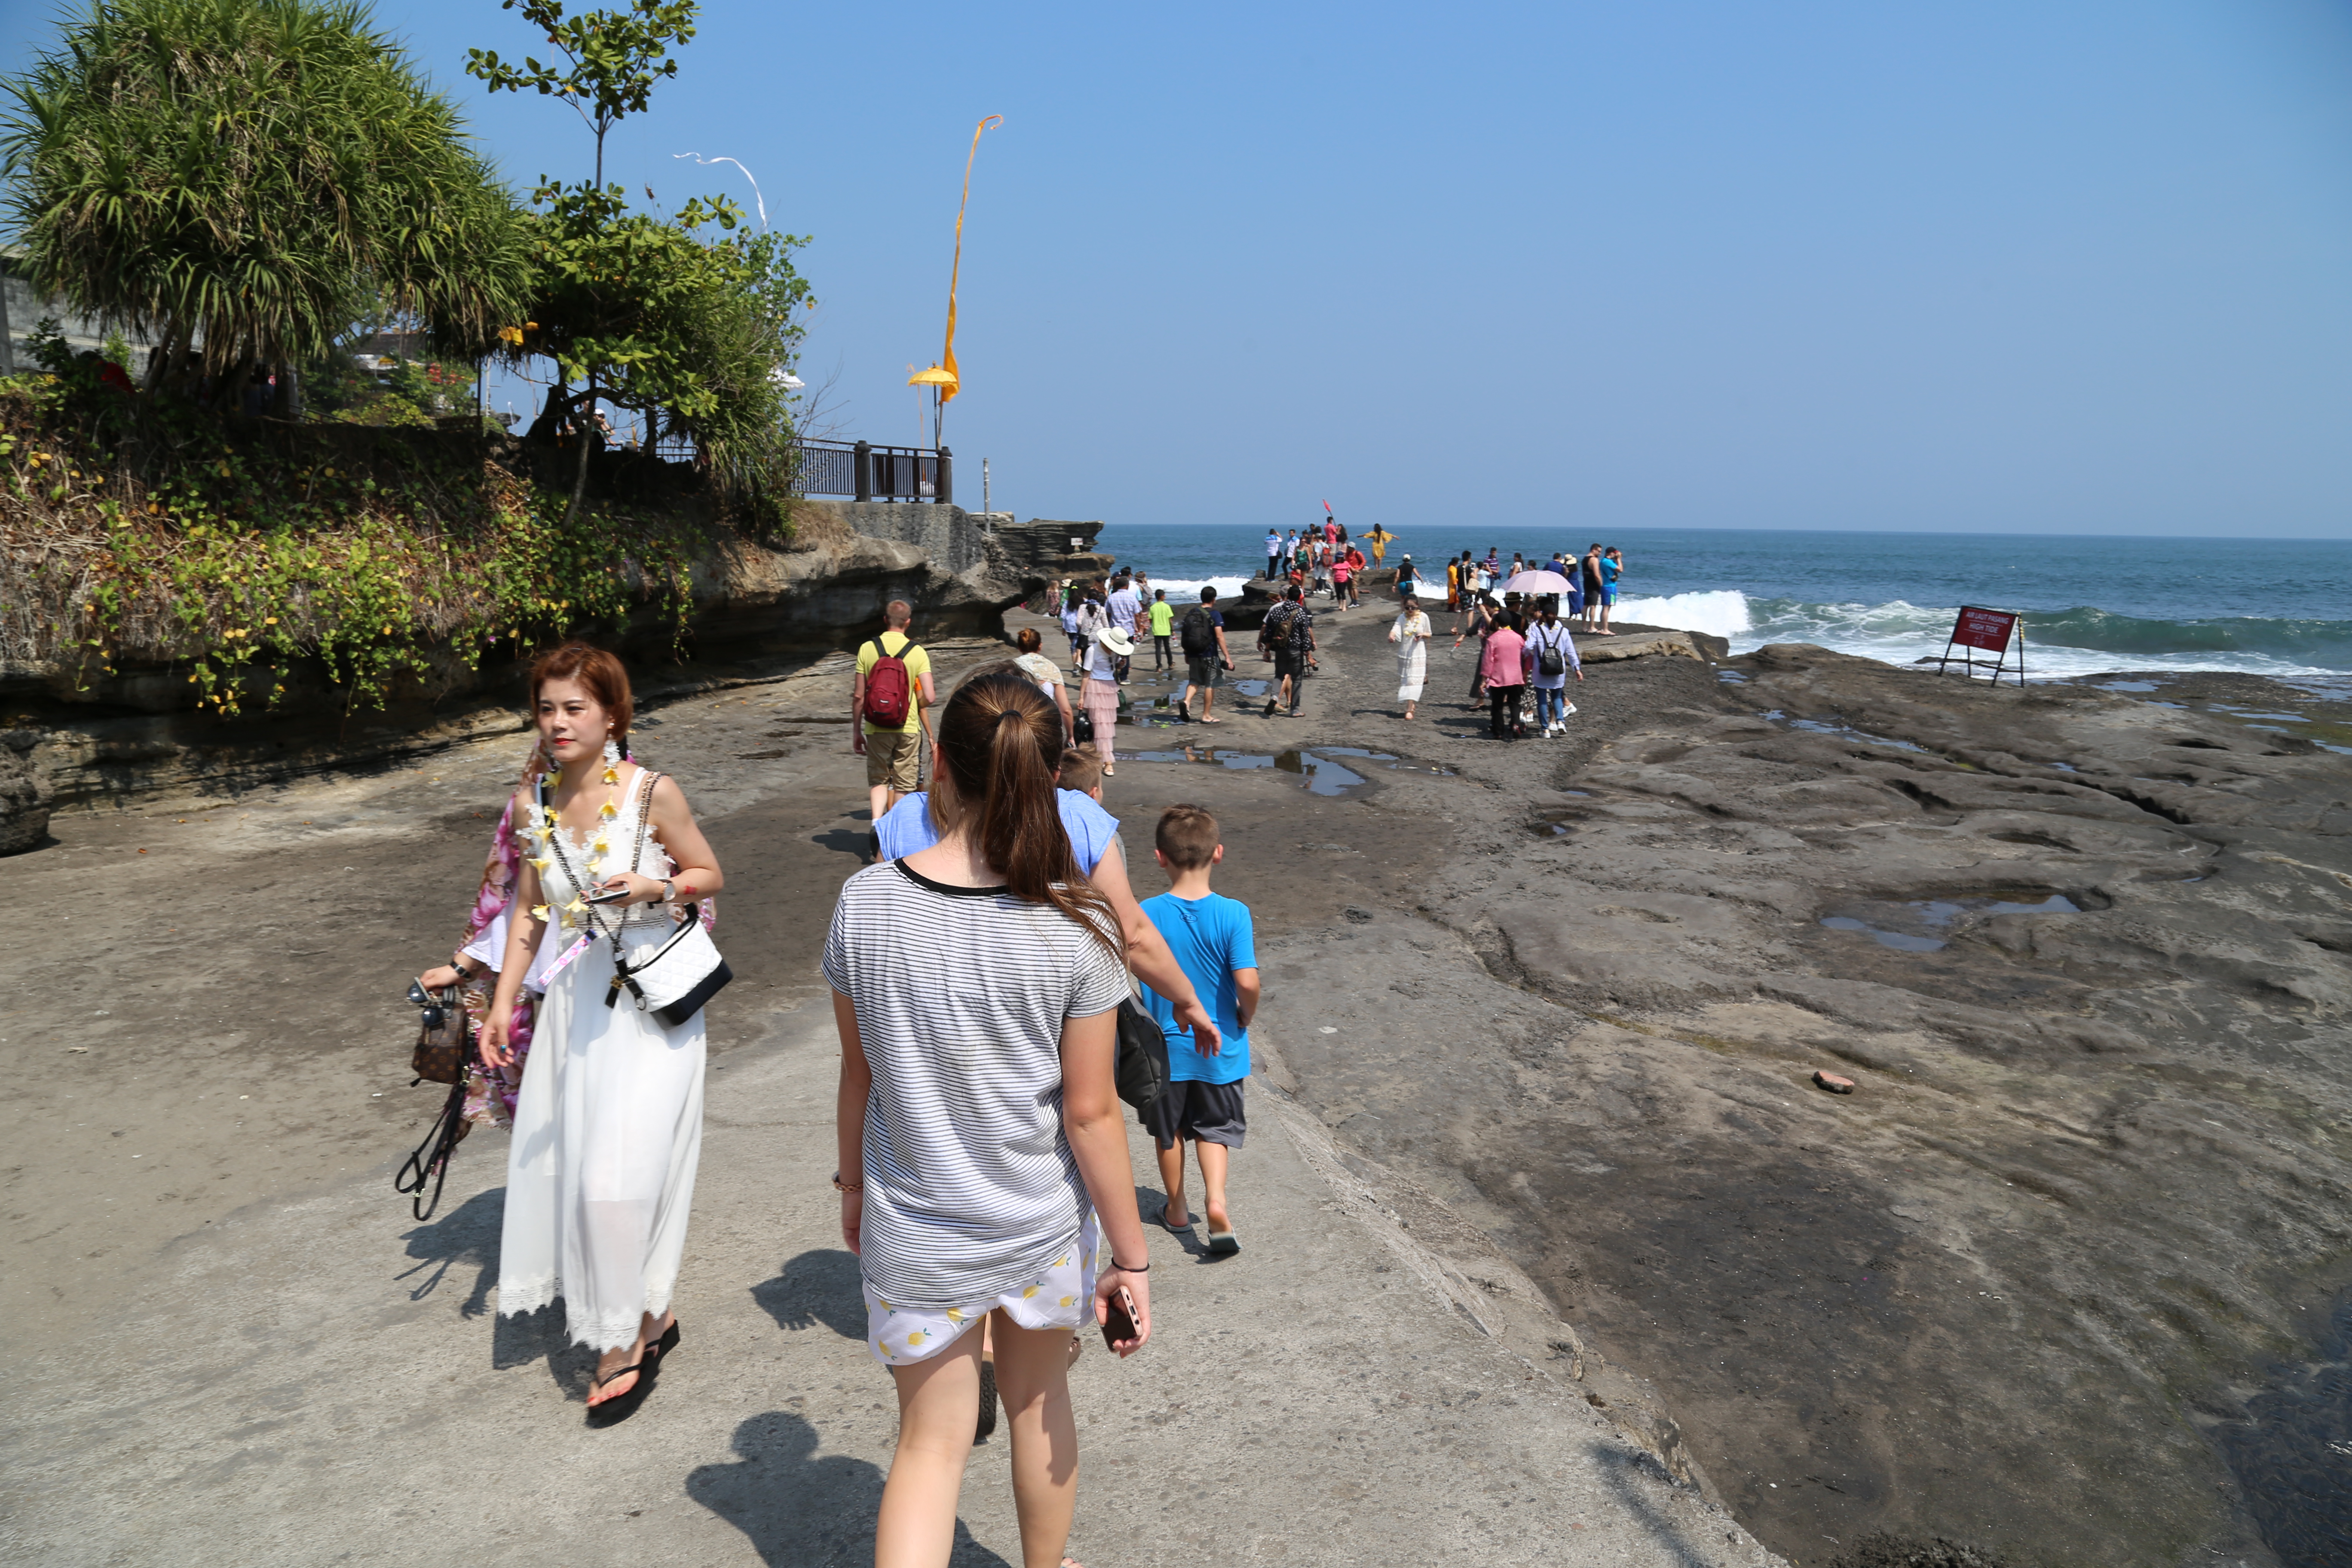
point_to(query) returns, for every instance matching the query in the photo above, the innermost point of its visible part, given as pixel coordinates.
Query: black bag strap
(430, 1158)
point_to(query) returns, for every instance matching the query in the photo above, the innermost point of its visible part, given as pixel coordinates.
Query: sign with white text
(1987, 629)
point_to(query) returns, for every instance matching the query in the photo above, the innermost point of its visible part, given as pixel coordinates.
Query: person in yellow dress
(1379, 539)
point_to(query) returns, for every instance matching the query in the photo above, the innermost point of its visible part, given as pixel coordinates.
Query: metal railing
(863, 471)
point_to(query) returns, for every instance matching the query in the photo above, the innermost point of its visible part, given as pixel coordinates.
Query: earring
(612, 751)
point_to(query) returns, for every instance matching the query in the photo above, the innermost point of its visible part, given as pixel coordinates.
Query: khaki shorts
(892, 757)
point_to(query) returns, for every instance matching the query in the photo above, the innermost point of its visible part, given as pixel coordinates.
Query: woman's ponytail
(1000, 745)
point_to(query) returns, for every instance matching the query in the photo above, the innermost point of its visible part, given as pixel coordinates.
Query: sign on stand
(1979, 630)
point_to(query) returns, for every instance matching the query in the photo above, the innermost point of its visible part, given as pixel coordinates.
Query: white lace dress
(608, 1127)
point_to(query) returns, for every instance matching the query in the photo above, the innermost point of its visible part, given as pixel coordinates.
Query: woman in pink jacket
(1502, 669)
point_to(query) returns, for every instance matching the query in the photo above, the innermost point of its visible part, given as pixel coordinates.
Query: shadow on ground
(802, 1510)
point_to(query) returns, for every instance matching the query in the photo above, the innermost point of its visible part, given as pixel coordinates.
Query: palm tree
(241, 179)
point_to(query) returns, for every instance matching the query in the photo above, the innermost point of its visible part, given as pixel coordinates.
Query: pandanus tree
(239, 180)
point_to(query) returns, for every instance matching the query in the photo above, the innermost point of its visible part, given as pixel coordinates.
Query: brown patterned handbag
(443, 1043)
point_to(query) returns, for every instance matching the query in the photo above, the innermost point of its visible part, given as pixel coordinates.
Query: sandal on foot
(987, 1400)
(1171, 1228)
(664, 1345)
(620, 1406)
(1223, 1243)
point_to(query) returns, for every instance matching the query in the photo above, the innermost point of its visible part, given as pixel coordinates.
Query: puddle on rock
(1318, 774)
(1847, 732)
(1925, 925)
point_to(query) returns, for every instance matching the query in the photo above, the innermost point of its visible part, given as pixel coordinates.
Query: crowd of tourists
(1325, 560)
(981, 1152)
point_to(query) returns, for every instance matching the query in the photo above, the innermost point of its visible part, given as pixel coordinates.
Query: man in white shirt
(1273, 555)
(1126, 607)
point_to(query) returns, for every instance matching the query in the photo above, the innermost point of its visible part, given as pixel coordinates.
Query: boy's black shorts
(1211, 1113)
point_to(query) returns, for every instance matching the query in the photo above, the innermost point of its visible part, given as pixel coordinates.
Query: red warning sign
(1987, 629)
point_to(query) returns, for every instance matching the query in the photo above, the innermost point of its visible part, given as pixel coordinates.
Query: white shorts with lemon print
(1061, 1295)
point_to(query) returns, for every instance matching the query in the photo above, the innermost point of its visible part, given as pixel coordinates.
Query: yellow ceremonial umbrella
(942, 383)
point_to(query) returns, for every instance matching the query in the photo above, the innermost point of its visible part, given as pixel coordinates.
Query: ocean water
(2267, 606)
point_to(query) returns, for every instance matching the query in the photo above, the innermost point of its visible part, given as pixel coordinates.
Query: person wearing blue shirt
(1215, 944)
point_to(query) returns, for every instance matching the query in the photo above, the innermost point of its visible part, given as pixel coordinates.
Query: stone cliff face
(64, 739)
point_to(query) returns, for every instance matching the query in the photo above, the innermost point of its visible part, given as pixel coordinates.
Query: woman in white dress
(608, 1126)
(1411, 634)
(985, 1173)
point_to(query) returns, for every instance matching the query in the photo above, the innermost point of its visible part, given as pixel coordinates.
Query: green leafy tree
(613, 59)
(643, 312)
(238, 179)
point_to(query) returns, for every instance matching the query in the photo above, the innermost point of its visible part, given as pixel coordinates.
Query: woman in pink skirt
(1111, 645)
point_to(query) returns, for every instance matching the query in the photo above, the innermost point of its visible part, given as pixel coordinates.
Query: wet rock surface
(2017, 1288)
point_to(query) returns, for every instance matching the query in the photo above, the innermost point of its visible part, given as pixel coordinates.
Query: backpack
(1549, 660)
(889, 691)
(1198, 637)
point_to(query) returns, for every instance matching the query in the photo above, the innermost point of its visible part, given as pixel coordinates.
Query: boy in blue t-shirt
(1212, 940)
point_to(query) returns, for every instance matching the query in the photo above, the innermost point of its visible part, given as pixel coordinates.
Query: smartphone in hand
(609, 895)
(1118, 1324)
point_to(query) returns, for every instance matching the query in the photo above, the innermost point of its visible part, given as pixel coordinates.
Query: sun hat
(1114, 642)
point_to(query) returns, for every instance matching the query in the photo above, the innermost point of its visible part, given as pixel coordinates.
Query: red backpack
(889, 689)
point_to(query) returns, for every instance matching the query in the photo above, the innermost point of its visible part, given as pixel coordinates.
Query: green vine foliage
(381, 554)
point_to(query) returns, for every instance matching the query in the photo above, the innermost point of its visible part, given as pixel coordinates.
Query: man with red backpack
(886, 709)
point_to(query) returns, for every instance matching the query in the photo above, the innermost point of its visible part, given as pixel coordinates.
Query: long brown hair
(1000, 745)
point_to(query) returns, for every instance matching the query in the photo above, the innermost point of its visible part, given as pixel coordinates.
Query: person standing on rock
(1611, 565)
(1591, 574)
(1043, 671)
(985, 1173)
(1125, 605)
(1206, 658)
(1287, 637)
(1501, 667)
(1272, 555)
(1550, 657)
(1163, 626)
(1111, 650)
(608, 1127)
(1411, 634)
(887, 699)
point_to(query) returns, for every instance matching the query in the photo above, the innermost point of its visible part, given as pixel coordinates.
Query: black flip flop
(615, 1410)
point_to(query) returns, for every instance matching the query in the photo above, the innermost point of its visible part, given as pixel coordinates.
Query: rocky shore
(2084, 952)
(1550, 1012)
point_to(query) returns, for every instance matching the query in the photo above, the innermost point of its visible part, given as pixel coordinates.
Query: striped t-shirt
(961, 993)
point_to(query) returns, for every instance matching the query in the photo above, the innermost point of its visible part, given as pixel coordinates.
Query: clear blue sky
(2081, 267)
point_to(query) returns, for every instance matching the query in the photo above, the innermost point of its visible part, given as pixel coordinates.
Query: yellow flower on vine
(612, 776)
(539, 913)
(608, 811)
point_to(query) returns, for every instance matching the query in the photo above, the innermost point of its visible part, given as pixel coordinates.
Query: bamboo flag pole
(942, 377)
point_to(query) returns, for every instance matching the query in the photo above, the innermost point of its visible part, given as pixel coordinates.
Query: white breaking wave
(1901, 632)
(1718, 611)
(1187, 590)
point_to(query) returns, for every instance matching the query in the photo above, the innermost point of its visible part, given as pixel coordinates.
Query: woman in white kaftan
(1411, 634)
(608, 1125)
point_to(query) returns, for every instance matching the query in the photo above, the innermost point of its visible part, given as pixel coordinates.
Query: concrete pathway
(319, 1380)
